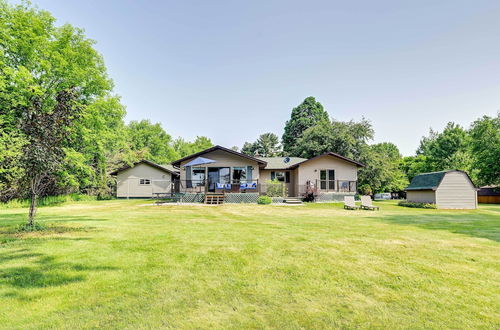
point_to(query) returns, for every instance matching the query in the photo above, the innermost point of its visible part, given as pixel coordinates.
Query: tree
(413, 165)
(485, 145)
(48, 75)
(185, 148)
(249, 149)
(152, 140)
(267, 145)
(382, 171)
(350, 139)
(46, 134)
(448, 149)
(309, 113)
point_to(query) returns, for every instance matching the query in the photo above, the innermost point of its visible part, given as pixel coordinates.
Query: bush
(264, 200)
(418, 205)
(275, 188)
(366, 189)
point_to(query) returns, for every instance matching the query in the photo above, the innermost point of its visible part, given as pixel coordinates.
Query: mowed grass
(124, 264)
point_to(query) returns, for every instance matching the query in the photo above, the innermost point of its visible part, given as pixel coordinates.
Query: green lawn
(121, 264)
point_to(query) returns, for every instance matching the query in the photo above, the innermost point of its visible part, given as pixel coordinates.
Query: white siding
(128, 181)
(421, 196)
(456, 192)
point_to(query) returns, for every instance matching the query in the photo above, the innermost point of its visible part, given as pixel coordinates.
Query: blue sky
(231, 70)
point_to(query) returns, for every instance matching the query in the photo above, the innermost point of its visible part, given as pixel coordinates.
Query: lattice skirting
(278, 200)
(192, 198)
(241, 198)
(332, 197)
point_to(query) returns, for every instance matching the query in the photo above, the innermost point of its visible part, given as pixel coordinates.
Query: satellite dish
(286, 160)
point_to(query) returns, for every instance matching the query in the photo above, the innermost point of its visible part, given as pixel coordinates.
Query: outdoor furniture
(350, 203)
(366, 203)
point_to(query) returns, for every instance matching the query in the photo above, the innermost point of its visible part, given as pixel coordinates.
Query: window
(239, 174)
(327, 179)
(198, 176)
(281, 176)
(145, 182)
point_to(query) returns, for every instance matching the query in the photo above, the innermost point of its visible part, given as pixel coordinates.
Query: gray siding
(456, 191)
(128, 181)
(421, 196)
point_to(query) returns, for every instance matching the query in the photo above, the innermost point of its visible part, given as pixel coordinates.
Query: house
(451, 189)
(329, 176)
(143, 179)
(489, 195)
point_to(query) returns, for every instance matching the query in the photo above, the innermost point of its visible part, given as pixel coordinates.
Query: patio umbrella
(199, 161)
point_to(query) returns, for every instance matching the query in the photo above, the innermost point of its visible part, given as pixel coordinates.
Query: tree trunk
(32, 213)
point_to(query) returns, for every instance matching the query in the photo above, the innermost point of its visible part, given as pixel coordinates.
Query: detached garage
(447, 189)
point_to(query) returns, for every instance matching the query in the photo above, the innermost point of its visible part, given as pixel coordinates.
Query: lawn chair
(366, 203)
(350, 203)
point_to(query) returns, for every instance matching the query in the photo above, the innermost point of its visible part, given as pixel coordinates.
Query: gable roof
(179, 161)
(431, 180)
(165, 168)
(333, 154)
(279, 163)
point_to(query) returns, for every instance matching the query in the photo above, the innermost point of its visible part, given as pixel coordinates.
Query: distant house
(489, 195)
(220, 169)
(451, 189)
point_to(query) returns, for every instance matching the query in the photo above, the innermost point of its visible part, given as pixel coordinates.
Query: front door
(217, 175)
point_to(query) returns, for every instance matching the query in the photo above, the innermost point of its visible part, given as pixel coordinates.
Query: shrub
(47, 201)
(365, 189)
(275, 188)
(418, 205)
(265, 200)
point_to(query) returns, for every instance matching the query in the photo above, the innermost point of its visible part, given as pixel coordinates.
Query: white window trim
(145, 184)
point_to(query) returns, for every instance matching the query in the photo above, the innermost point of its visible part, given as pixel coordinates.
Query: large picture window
(327, 179)
(198, 176)
(239, 174)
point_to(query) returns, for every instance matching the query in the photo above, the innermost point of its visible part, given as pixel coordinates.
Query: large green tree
(449, 149)
(267, 145)
(185, 148)
(307, 114)
(382, 171)
(349, 139)
(152, 141)
(39, 62)
(485, 145)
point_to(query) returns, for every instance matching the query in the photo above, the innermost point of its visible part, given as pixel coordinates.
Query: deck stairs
(214, 199)
(293, 200)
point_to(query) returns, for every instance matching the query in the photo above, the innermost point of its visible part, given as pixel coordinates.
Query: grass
(120, 264)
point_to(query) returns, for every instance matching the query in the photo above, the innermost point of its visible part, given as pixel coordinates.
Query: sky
(232, 70)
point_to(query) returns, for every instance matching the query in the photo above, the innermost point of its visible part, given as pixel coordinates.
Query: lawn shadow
(470, 224)
(43, 271)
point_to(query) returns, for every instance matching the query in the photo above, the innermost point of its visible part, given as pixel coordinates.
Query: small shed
(143, 179)
(489, 195)
(451, 189)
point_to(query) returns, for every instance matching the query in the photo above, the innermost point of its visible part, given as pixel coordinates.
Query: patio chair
(350, 203)
(366, 203)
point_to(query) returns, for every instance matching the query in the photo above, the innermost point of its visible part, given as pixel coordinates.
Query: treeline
(47, 70)
(311, 132)
(40, 63)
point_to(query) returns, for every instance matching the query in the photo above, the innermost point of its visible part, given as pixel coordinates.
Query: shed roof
(430, 181)
(426, 181)
(166, 168)
(281, 163)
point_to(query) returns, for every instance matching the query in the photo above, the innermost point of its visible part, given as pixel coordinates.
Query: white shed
(451, 189)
